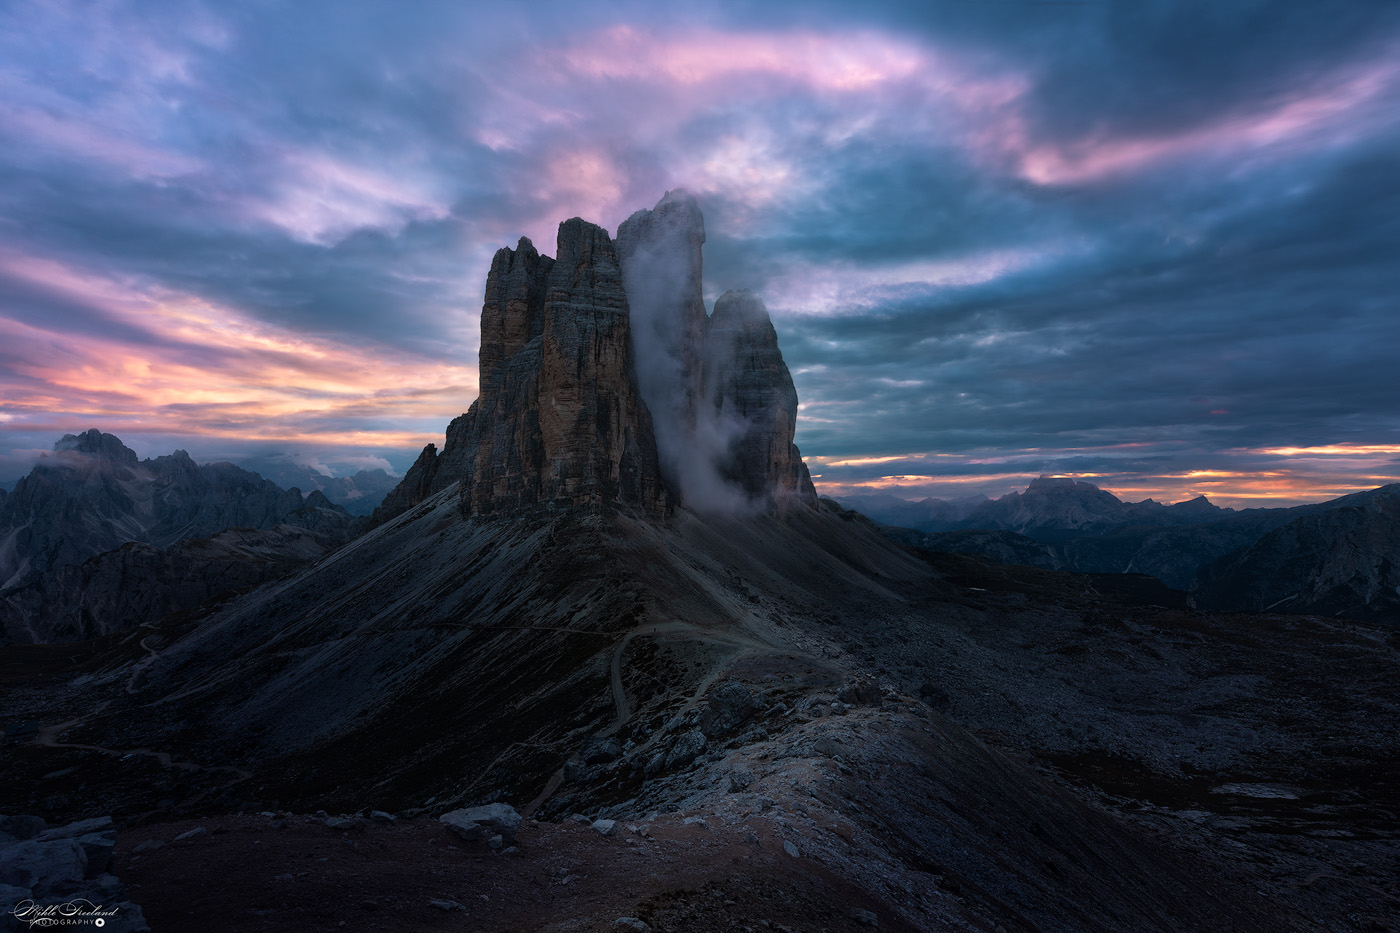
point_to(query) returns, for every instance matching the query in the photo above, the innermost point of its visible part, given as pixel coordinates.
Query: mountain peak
(94, 443)
(1047, 483)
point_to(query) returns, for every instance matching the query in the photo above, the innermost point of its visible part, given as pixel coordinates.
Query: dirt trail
(47, 736)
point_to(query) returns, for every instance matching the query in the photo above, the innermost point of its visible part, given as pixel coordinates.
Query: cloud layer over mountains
(1150, 244)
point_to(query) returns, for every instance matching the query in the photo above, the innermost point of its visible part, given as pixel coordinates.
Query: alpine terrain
(605, 661)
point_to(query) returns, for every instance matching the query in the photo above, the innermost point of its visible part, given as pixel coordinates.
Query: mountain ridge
(93, 497)
(1209, 552)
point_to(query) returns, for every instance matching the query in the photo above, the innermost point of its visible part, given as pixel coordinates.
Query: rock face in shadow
(560, 422)
(748, 385)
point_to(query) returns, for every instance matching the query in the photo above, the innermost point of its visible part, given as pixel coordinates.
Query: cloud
(1039, 235)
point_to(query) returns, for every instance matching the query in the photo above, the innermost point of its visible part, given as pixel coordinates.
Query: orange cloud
(210, 370)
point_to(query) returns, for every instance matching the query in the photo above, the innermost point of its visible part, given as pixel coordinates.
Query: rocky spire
(513, 314)
(604, 384)
(562, 422)
(559, 422)
(748, 385)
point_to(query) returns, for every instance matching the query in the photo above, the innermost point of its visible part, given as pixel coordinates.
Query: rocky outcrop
(55, 877)
(416, 485)
(559, 422)
(749, 387)
(513, 314)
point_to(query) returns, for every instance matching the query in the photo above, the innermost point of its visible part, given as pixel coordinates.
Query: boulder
(98, 849)
(600, 750)
(728, 706)
(861, 693)
(478, 824)
(687, 748)
(42, 865)
(21, 826)
(80, 828)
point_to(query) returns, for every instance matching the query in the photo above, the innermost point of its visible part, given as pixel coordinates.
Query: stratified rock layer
(749, 386)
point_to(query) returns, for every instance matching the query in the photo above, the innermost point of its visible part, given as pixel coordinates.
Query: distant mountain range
(359, 493)
(94, 540)
(1340, 557)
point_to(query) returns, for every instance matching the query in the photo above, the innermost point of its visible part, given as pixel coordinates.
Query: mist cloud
(662, 272)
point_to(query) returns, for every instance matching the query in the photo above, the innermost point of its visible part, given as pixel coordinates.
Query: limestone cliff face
(605, 385)
(513, 313)
(595, 438)
(559, 422)
(748, 385)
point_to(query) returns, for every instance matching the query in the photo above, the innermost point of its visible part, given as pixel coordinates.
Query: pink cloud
(211, 370)
(1320, 113)
(628, 101)
(838, 63)
(321, 198)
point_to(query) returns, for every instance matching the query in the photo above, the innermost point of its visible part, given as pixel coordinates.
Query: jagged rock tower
(604, 385)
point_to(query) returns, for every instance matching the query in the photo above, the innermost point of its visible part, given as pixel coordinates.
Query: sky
(1152, 245)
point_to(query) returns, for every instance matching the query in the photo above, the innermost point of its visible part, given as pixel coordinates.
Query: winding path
(47, 736)
(742, 645)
